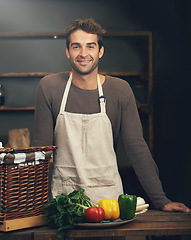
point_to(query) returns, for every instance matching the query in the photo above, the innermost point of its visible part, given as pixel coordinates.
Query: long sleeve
(43, 120)
(47, 105)
(139, 154)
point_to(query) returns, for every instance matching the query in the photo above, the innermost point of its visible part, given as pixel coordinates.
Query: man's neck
(88, 81)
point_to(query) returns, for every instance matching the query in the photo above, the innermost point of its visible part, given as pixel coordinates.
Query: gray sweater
(122, 112)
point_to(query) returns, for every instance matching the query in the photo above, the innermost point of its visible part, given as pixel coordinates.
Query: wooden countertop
(151, 223)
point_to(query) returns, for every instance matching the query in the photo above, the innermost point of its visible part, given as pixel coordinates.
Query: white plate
(105, 224)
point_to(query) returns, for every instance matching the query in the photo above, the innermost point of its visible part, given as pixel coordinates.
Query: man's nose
(83, 52)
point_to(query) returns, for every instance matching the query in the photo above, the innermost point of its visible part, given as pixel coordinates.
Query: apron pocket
(98, 183)
(70, 176)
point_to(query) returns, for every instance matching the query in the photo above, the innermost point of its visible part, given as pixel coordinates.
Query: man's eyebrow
(75, 43)
(91, 43)
(78, 44)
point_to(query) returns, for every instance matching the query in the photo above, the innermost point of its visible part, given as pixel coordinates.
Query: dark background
(170, 23)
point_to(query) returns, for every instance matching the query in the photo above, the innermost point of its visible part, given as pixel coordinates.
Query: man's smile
(83, 62)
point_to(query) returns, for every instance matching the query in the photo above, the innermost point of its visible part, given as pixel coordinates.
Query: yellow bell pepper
(111, 208)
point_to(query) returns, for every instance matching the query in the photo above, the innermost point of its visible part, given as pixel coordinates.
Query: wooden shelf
(42, 74)
(28, 74)
(142, 107)
(4, 108)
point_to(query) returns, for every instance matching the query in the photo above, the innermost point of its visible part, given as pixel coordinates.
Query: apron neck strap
(101, 96)
(100, 91)
(65, 96)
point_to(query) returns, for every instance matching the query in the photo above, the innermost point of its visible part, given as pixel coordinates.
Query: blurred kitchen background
(154, 58)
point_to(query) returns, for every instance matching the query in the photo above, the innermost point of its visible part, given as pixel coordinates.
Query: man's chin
(84, 72)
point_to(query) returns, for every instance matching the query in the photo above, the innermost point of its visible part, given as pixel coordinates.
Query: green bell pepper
(127, 206)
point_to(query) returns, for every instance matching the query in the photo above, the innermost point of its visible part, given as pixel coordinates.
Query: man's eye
(90, 46)
(75, 46)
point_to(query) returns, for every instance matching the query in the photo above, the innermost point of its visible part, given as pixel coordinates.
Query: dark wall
(170, 22)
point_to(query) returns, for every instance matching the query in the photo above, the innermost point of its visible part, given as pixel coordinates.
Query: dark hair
(87, 25)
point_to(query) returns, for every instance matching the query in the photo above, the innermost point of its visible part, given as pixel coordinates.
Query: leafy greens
(65, 210)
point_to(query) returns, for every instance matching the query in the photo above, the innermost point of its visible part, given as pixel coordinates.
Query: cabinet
(124, 51)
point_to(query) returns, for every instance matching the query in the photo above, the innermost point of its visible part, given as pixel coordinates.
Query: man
(82, 113)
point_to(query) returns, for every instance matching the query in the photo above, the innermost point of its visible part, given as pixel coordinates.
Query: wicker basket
(24, 174)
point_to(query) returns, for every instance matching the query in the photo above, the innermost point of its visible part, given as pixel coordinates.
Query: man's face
(84, 52)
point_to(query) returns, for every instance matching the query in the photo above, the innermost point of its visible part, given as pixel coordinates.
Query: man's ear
(101, 52)
(67, 53)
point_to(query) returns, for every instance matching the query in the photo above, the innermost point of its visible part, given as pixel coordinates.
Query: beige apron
(85, 157)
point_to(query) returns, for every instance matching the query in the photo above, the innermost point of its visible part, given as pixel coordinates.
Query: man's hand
(176, 206)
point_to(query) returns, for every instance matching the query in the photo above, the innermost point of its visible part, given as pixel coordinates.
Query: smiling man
(84, 52)
(82, 113)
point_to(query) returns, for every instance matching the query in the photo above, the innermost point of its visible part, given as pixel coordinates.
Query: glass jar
(2, 96)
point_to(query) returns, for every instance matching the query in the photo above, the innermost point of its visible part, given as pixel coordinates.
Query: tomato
(94, 214)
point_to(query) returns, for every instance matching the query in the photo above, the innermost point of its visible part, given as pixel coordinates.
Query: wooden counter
(151, 223)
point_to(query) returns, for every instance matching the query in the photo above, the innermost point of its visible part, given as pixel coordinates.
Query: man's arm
(43, 119)
(142, 161)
